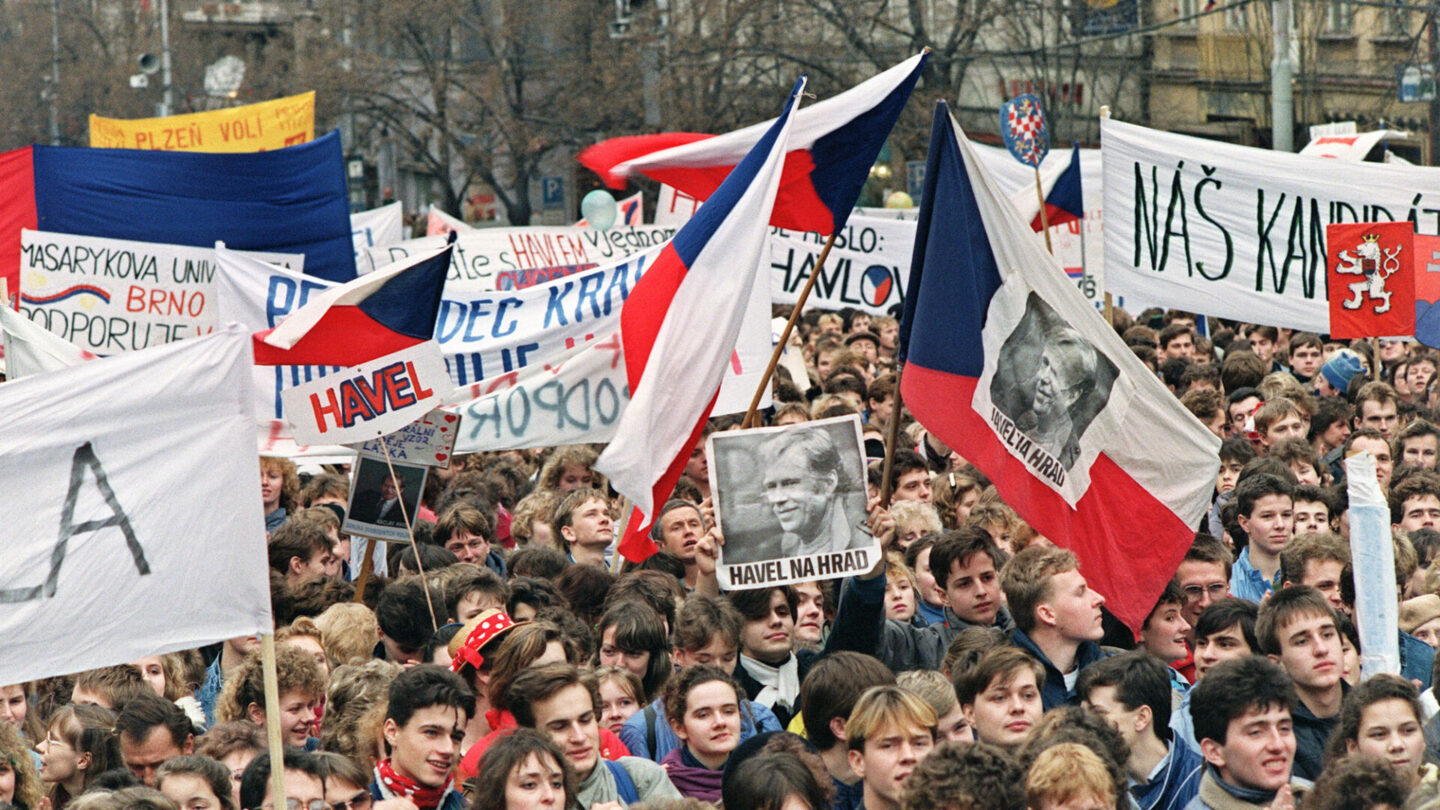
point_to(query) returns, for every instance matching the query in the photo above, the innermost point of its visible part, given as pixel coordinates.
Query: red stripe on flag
(17, 210)
(1054, 215)
(606, 155)
(1128, 541)
(344, 336)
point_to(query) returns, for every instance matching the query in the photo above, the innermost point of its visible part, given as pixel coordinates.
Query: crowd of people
(509, 660)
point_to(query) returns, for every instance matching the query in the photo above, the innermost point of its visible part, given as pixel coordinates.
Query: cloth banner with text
(1238, 232)
(115, 295)
(105, 504)
(251, 128)
(377, 227)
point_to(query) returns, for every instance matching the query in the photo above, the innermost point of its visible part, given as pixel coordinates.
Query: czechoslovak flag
(377, 314)
(834, 144)
(1064, 197)
(679, 328)
(1005, 361)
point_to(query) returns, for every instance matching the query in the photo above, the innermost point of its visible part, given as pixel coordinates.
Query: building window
(1339, 17)
(1237, 18)
(1394, 22)
(1185, 11)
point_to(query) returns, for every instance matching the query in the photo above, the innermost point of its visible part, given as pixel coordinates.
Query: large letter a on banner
(84, 458)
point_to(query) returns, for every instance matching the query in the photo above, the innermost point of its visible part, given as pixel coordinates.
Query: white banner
(369, 400)
(515, 258)
(1239, 232)
(133, 520)
(674, 207)
(377, 227)
(867, 268)
(114, 295)
(576, 398)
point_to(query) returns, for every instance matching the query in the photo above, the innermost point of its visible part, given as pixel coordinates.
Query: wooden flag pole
(752, 414)
(1375, 361)
(272, 719)
(366, 568)
(1044, 217)
(410, 530)
(892, 438)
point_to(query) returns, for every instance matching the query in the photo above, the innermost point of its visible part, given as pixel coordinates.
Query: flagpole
(751, 415)
(410, 530)
(366, 568)
(275, 745)
(1044, 217)
(892, 438)
(616, 560)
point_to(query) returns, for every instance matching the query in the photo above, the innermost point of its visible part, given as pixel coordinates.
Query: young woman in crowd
(20, 785)
(703, 706)
(279, 489)
(524, 771)
(1382, 718)
(195, 783)
(79, 745)
(622, 694)
(633, 636)
(301, 688)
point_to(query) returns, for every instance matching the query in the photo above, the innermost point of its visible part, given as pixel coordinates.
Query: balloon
(599, 209)
(899, 199)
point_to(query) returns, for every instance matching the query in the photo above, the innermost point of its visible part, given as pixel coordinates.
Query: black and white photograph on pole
(791, 503)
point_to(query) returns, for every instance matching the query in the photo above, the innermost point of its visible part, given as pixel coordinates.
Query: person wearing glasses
(1203, 578)
(346, 786)
(304, 783)
(195, 783)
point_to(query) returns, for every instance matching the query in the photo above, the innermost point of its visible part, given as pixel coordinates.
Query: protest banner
(791, 501)
(674, 206)
(104, 505)
(1238, 232)
(377, 227)
(30, 349)
(574, 398)
(371, 399)
(866, 269)
(429, 440)
(115, 295)
(249, 128)
(516, 258)
(1371, 280)
(1427, 290)
(379, 502)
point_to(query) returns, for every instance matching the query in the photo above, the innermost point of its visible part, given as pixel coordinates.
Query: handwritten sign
(115, 295)
(429, 440)
(250, 128)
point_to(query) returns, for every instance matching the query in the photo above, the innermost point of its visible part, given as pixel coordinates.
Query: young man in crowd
(1165, 634)
(1132, 691)
(963, 563)
(1000, 696)
(910, 477)
(424, 724)
(880, 400)
(1418, 445)
(1225, 631)
(890, 731)
(810, 615)
(1307, 355)
(302, 551)
(1377, 408)
(1280, 419)
(1265, 510)
(1376, 444)
(564, 703)
(1177, 342)
(678, 530)
(151, 730)
(1298, 631)
(1316, 560)
(707, 631)
(1203, 578)
(465, 532)
(403, 615)
(304, 782)
(469, 594)
(1057, 617)
(582, 521)
(1311, 510)
(1242, 405)
(1415, 502)
(1241, 712)
(829, 695)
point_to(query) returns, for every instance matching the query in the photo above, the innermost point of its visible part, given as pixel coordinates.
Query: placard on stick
(375, 508)
(791, 501)
(428, 441)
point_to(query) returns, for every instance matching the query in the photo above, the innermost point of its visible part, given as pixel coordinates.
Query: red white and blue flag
(1005, 361)
(834, 144)
(1064, 196)
(679, 328)
(377, 314)
(1022, 125)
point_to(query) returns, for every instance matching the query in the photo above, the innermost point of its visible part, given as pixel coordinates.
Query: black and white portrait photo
(1051, 382)
(795, 493)
(376, 498)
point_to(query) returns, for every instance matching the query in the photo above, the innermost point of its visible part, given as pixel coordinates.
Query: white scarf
(777, 684)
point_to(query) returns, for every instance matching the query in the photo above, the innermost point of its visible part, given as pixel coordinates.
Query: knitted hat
(465, 646)
(1339, 369)
(1417, 611)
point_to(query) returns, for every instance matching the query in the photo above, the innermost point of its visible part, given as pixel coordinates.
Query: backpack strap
(651, 716)
(623, 783)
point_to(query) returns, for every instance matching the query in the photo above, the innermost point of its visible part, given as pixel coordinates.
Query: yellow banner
(252, 128)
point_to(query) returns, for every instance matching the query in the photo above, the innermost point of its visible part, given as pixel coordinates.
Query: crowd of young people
(507, 661)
